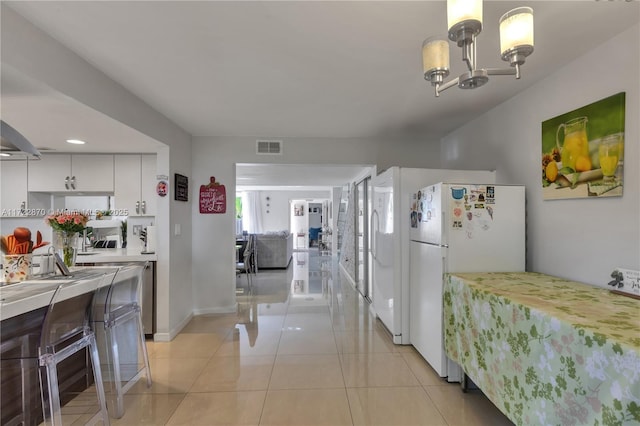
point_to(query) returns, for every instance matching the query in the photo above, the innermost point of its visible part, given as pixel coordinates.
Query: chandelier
(464, 18)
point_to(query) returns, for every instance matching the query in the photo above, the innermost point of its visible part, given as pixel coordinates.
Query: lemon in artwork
(551, 171)
(583, 163)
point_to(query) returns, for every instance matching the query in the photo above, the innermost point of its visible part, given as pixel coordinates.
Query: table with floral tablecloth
(545, 350)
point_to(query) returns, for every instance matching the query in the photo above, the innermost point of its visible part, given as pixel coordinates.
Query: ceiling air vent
(268, 147)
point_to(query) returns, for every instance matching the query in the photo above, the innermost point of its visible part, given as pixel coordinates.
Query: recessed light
(76, 141)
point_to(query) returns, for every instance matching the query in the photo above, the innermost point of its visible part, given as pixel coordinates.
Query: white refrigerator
(392, 191)
(458, 228)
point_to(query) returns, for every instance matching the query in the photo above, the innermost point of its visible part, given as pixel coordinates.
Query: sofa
(274, 249)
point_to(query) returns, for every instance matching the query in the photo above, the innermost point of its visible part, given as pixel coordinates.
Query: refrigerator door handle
(375, 225)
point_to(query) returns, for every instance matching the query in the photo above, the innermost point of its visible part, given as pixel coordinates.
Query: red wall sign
(213, 197)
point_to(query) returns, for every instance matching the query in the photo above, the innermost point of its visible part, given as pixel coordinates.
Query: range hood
(16, 146)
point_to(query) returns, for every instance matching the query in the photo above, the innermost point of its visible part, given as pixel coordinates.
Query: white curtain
(252, 212)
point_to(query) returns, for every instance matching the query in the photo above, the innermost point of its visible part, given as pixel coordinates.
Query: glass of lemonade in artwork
(574, 144)
(609, 154)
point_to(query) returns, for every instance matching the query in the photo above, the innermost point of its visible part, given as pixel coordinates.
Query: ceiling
(295, 176)
(292, 69)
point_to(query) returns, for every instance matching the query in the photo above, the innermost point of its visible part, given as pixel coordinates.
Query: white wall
(213, 244)
(581, 239)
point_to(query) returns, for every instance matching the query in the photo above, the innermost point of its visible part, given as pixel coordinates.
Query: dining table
(544, 349)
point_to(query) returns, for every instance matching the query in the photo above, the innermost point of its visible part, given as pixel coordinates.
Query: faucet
(51, 260)
(84, 240)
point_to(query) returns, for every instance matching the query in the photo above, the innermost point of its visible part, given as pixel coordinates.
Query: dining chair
(243, 262)
(117, 320)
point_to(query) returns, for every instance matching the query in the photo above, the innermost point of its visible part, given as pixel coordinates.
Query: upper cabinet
(135, 181)
(14, 187)
(15, 199)
(91, 173)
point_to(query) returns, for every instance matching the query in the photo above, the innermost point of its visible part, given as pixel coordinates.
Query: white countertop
(114, 255)
(25, 296)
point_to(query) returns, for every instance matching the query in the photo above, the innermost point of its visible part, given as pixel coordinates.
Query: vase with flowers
(67, 224)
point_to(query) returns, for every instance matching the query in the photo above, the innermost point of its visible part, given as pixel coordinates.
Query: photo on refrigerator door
(583, 151)
(472, 208)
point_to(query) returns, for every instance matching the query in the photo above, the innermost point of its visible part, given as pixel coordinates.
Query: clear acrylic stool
(65, 331)
(117, 321)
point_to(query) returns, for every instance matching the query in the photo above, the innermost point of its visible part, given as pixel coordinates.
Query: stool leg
(115, 365)
(55, 413)
(145, 354)
(97, 377)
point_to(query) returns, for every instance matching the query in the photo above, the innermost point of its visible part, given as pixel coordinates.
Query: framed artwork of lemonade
(583, 151)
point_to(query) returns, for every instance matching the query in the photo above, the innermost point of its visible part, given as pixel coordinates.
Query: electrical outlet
(137, 229)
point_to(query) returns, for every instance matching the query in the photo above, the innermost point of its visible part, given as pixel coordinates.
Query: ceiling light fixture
(76, 141)
(464, 18)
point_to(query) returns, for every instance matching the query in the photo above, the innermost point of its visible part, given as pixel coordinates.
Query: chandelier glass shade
(464, 18)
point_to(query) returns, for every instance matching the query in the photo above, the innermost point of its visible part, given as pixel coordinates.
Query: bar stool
(117, 321)
(65, 331)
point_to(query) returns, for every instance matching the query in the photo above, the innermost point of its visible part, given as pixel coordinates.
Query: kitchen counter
(114, 255)
(26, 296)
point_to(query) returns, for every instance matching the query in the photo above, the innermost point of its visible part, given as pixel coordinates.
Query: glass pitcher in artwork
(573, 144)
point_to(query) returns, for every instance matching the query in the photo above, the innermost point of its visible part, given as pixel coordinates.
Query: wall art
(583, 151)
(182, 188)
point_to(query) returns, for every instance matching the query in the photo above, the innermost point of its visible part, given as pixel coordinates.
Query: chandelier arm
(444, 86)
(504, 71)
(469, 53)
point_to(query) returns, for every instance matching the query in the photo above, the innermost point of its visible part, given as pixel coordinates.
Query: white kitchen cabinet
(16, 201)
(135, 181)
(14, 187)
(90, 173)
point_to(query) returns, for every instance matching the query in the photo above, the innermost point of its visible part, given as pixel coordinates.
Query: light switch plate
(177, 229)
(626, 280)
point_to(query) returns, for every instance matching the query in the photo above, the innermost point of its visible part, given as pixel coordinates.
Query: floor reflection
(305, 286)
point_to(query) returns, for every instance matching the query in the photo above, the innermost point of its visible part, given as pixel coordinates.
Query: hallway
(302, 350)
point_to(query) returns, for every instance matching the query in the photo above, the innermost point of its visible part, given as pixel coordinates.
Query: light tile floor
(302, 349)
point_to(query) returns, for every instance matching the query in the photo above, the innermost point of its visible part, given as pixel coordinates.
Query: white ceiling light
(5, 154)
(76, 141)
(464, 18)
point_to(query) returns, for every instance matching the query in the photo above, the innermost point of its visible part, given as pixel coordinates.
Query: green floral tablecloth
(545, 350)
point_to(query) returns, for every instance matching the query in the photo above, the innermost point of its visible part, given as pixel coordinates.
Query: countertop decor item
(67, 244)
(17, 256)
(67, 225)
(104, 214)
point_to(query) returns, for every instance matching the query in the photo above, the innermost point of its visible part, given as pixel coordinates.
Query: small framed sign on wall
(182, 188)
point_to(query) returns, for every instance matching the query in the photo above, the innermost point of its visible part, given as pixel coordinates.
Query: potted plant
(104, 214)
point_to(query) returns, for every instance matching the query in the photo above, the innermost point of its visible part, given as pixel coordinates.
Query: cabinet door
(14, 187)
(52, 173)
(92, 172)
(148, 184)
(127, 183)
